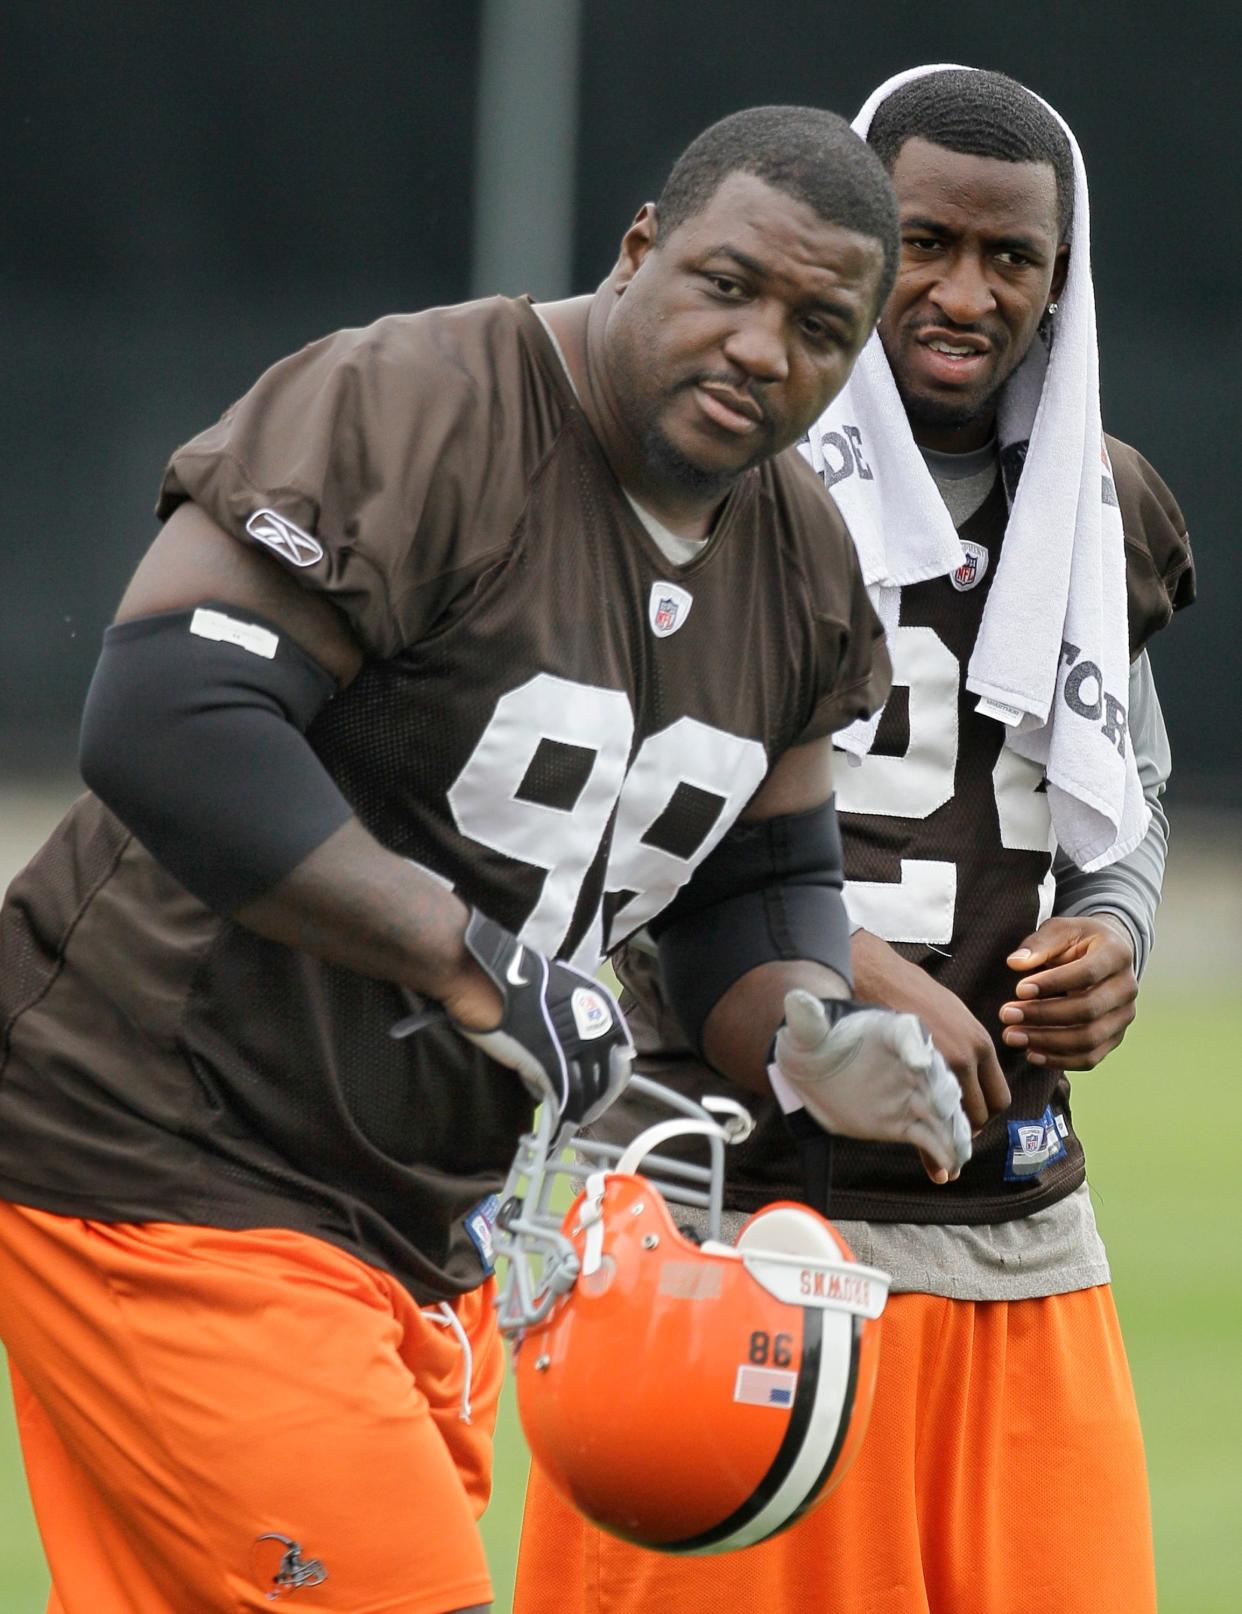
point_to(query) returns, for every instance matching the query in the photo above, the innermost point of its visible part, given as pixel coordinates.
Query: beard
(948, 413)
(667, 465)
(671, 466)
(943, 413)
(642, 412)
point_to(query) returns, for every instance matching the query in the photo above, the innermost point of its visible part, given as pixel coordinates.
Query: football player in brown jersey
(1003, 1468)
(472, 641)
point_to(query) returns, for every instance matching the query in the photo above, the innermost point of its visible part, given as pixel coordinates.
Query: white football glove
(871, 1073)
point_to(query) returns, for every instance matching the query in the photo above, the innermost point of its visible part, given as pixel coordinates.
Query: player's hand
(881, 975)
(868, 1073)
(559, 1029)
(1077, 992)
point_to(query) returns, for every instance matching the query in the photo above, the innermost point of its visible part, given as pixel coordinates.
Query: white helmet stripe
(832, 1387)
(823, 1402)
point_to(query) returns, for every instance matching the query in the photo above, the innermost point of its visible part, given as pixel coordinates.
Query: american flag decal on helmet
(765, 1387)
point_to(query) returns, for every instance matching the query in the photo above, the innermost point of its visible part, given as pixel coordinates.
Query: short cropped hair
(981, 115)
(804, 151)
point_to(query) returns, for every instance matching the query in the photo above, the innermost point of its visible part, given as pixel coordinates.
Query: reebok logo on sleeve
(287, 540)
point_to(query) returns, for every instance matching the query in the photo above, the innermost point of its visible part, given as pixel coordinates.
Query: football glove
(560, 1030)
(867, 1072)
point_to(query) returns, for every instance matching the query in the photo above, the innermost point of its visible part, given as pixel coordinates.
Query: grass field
(1162, 1122)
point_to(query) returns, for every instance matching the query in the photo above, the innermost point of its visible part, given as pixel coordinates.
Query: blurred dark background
(192, 190)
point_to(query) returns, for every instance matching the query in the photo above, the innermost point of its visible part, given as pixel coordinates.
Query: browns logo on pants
(131, 1347)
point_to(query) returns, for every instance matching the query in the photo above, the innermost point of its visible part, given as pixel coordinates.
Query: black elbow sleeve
(193, 735)
(771, 891)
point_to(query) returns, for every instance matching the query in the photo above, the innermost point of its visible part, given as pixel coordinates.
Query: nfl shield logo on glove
(592, 1015)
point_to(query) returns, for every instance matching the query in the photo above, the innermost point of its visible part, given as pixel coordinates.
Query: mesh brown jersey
(948, 855)
(551, 717)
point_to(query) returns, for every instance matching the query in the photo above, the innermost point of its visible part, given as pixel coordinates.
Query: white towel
(1052, 658)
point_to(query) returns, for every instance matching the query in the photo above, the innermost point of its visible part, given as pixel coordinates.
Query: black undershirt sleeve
(194, 735)
(770, 891)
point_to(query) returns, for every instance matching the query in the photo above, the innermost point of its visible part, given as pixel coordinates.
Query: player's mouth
(724, 406)
(953, 357)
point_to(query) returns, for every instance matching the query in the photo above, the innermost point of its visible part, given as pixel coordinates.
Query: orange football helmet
(689, 1397)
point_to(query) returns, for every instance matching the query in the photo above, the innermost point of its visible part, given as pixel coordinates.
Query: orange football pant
(1002, 1472)
(183, 1392)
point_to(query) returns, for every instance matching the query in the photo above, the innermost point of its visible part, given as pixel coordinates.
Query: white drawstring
(444, 1313)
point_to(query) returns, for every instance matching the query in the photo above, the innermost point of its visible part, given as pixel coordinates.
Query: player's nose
(962, 293)
(756, 344)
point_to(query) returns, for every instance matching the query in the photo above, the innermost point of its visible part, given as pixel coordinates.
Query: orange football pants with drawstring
(185, 1392)
(1002, 1472)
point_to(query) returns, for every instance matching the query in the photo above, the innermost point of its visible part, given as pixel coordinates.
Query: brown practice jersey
(948, 856)
(552, 718)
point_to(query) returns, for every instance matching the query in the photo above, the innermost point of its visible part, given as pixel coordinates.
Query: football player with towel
(472, 642)
(1004, 850)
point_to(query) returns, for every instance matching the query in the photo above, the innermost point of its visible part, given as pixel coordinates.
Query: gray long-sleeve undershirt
(1130, 888)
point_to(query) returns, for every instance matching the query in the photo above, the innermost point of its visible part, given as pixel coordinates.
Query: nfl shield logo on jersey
(972, 569)
(668, 608)
(1034, 1145)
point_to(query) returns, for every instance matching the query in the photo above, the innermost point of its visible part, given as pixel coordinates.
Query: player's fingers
(620, 1069)
(1031, 958)
(974, 1101)
(932, 1142)
(606, 1084)
(947, 1108)
(963, 1144)
(806, 1021)
(993, 1085)
(922, 1116)
(1077, 1040)
(907, 1037)
(1077, 1047)
(1085, 1009)
(943, 1089)
(1079, 1009)
(937, 1173)
(936, 1102)
(1077, 976)
(1086, 1060)
(1055, 939)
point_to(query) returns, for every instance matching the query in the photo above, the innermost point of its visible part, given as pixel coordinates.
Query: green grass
(1162, 1122)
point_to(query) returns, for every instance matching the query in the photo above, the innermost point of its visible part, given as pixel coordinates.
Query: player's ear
(636, 243)
(1060, 269)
